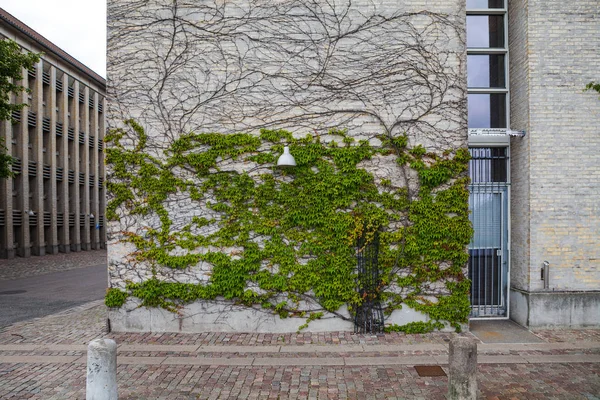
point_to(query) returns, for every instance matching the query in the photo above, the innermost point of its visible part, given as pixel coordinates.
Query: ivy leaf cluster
(296, 229)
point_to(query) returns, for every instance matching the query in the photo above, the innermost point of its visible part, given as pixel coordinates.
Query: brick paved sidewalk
(45, 359)
(18, 267)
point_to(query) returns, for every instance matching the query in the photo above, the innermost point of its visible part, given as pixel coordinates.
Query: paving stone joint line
(282, 349)
(312, 361)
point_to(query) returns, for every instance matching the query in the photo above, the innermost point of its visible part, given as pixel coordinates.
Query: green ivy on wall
(295, 229)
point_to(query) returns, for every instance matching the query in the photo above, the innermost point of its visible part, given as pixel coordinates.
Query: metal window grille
(47, 219)
(32, 169)
(369, 315)
(488, 164)
(488, 205)
(17, 217)
(46, 78)
(46, 124)
(16, 116)
(17, 165)
(32, 119)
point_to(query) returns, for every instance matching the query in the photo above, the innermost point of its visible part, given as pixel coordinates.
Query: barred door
(488, 255)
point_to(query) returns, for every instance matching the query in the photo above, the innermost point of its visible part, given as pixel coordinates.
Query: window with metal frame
(488, 249)
(487, 64)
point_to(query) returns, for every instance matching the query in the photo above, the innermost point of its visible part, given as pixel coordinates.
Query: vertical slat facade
(46, 208)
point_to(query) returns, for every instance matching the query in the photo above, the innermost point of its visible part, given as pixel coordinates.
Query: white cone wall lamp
(286, 159)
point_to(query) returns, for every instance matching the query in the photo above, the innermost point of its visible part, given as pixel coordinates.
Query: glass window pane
(485, 31)
(485, 71)
(477, 4)
(486, 217)
(487, 110)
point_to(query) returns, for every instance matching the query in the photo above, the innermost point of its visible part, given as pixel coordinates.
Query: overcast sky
(76, 26)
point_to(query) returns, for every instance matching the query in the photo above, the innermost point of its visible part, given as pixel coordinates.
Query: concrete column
(63, 116)
(462, 380)
(37, 189)
(85, 158)
(6, 197)
(74, 162)
(95, 206)
(23, 239)
(101, 383)
(52, 240)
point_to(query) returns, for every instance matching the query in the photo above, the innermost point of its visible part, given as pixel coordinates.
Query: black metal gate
(369, 315)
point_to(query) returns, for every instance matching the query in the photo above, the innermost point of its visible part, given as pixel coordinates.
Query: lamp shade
(286, 159)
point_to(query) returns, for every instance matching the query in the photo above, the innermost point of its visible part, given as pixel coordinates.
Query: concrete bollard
(462, 380)
(101, 381)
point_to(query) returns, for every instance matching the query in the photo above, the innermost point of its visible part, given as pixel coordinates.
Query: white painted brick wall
(519, 155)
(140, 52)
(559, 162)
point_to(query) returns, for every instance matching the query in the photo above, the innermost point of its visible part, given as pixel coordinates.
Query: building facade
(534, 196)
(503, 78)
(55, 201)
(555, 214)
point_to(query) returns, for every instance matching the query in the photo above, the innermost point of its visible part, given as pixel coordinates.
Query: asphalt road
(38, 296)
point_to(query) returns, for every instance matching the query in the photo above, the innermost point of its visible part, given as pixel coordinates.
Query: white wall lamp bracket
(511, 132)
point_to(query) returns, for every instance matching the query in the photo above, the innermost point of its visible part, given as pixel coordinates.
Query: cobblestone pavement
(45, 359)
(25, 267)
(497, 381)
